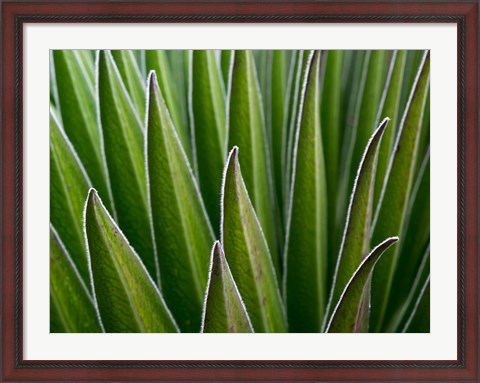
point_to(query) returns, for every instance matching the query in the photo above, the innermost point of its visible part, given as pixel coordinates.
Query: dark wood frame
(464, 14)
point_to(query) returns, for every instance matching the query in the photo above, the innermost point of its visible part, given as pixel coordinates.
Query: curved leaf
(69, 184)
(306, 242)
(355, 241)
(394, 199)
(76, 103)
(247, 253)
(247, 131)
(182, 231)
(207, 110)
(123, 138)
(71, 306)
(344, 317)
(127, 298)
(224, 310)
(369, 107)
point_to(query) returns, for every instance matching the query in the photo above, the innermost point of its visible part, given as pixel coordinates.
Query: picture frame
(15, 14)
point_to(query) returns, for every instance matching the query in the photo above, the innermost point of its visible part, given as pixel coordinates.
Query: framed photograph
(240, 190)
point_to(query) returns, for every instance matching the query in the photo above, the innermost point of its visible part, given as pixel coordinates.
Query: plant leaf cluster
(239, 191)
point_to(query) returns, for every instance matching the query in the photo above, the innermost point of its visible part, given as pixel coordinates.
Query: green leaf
(225, 63)
(331, 128)
(76, 103)
(157, 60)
(127, 298)
(409, 294)
(132, 78)
(247, 253)
(369, 107)
(394, 199)
(69, 184)
(415, 239)
(71, 306)
(352, 91)
(207, 110)
(419, 320)
(355, 241)
(277, 113)
(124, 141)
(306, 242)
(182, 231)
(344, 317)
(224, 310)
(301, 68)
(247, 131)
(389, 108)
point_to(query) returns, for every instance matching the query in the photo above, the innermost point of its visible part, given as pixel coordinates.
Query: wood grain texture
(464, 14)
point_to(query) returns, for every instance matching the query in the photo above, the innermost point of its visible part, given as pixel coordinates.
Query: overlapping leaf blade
(394, 199)
(182, 231)
(247, 131)
(355, 243)
(76, 104)
(157, 60)
(69, 184)
(132, 78)
(248, 254)
(306, 242)
(71, 306)
(123, 135)
(207, 109)
(224, 310)
(127, 298)
(344, 317)
(330, 117)
(389, 107)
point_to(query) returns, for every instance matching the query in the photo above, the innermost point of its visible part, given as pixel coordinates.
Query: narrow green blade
(345, 315)
(247, 131)
(302, 65)
(415, 239)
(127, 298)
(247, 253)
(71, 306)
(352, 89)
(355, 241)
(395, 196)
(132, 78)
(419, 320)
(369, 107)
(207, 110)
(225, 63)
(331, 107)
(410, 293)
(224, 309)
(182, 231)
(306, 242)
(277, 113)
(76, 103)
(389, 108)
(69, 184)
(124, 140)
(157, 60)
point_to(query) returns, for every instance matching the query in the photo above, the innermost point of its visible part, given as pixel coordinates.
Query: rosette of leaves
(239, 191)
